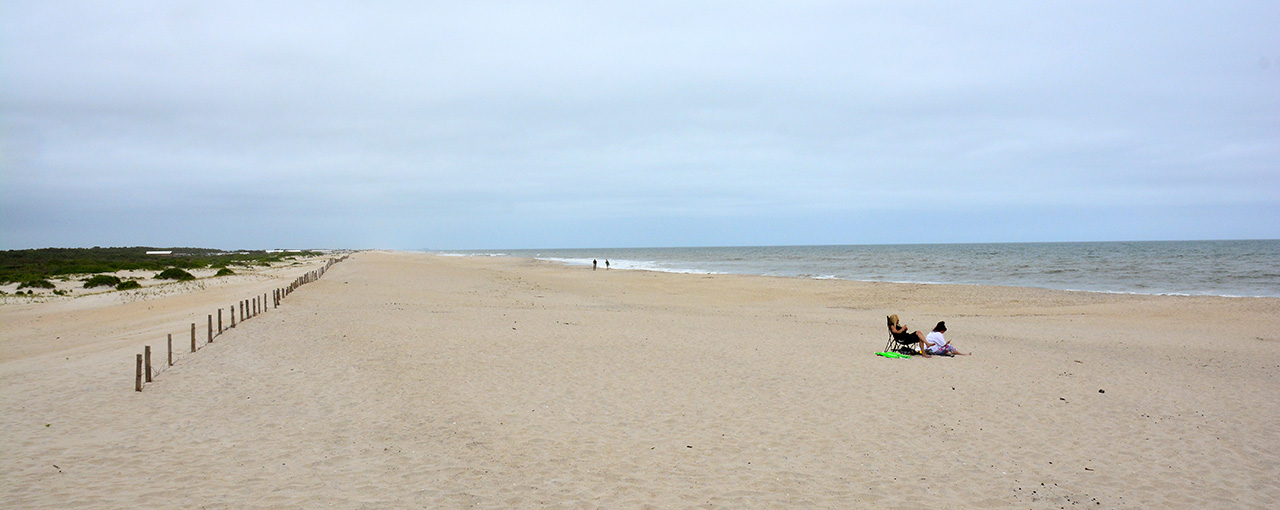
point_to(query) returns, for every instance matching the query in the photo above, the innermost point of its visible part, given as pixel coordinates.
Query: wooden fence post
(147, 358)
(233, 316)
(219, 320)
(137, 380)
(193, 337)
(210, 328)
(170, 349)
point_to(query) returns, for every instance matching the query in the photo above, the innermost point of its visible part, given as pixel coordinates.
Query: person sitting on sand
(901, 335)
(936, 344)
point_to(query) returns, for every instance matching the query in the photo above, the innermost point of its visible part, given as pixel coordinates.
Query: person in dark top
(901, 335)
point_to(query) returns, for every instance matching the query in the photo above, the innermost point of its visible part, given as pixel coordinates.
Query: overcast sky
(483, 125)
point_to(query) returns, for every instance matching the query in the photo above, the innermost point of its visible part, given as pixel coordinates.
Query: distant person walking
(593, 264)
(935, 343)
(606, 264)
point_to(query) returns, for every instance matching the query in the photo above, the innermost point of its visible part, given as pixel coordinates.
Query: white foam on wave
(456, 254)
(627, 265)
(566, 261)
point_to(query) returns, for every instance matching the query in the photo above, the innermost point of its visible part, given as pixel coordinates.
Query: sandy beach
(406, 380)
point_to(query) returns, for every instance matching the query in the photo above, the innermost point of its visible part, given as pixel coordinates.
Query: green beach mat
(892, 355)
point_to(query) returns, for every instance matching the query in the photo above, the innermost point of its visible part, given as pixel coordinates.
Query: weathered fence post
(219, 321)
(233, 316)
(193, 337)
(147, 358)
(210, 328)
(137, 380)
(170, 349)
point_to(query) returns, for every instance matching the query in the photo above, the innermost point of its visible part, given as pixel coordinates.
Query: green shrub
(102, 280)
(225, 272)
(128, 284)
(174, 273)
(36, 284)
(17, 266)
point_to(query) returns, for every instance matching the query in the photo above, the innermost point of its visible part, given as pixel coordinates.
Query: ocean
(1218, 268)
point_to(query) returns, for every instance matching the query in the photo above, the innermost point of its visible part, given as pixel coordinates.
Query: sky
(491, 125)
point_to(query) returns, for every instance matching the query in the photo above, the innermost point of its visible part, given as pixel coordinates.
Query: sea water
(1222, 268)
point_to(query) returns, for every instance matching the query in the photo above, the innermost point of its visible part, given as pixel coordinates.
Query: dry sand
(416, 381)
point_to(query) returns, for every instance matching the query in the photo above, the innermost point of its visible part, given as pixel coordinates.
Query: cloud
(574, 123)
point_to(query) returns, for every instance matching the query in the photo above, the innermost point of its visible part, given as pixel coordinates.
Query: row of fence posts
(249, 308)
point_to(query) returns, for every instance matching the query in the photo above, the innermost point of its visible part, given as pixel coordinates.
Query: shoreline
(576, 263)
(1214, 268)
(408, 379)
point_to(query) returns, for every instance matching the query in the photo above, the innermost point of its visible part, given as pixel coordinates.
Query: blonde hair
(893, 320)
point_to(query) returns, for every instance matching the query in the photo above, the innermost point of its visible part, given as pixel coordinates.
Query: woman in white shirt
(935, 343)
